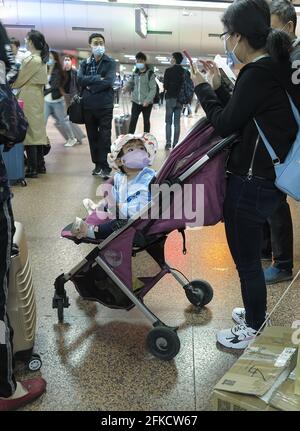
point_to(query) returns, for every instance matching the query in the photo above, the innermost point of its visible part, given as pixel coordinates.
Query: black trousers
(35, 157)
(7, 229)
(135, 113)
(98, 127)
(248, 204)
(278, 237)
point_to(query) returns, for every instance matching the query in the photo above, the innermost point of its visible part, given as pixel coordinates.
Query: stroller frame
(162, 341)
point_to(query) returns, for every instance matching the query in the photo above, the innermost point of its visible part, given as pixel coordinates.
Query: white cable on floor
(276, 306)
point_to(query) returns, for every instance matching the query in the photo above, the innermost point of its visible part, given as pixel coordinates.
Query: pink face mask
(136, 159)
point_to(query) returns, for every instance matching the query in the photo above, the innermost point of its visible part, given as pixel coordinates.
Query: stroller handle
(225, 143)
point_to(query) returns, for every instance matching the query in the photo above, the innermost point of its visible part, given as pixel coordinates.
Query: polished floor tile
(97, 359)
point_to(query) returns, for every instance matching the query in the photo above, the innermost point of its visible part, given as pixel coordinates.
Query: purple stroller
(121, 269)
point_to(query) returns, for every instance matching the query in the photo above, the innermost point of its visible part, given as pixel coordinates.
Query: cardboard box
(297, 383)
(258, 373)
(229, 401)
(284, 397)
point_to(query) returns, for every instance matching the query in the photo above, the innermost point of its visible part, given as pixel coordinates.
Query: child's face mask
(136, 159)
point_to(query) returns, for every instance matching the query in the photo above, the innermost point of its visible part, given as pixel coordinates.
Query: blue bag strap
(272, 153)
(269, 148)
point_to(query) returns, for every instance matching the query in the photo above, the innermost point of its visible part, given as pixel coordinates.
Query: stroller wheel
(163, 342)
(199, 292)
(35, 362)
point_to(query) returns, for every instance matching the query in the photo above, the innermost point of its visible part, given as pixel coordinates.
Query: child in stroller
(108, 273)
(131, 156)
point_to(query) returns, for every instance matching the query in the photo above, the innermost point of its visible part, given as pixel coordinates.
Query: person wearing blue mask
(260, 94)
(143, 90)
(96, 76)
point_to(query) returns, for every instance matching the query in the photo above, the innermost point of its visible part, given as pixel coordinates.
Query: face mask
(50, 62)
(140, 66)
(232, 59)
(136, 159)
(67, 64)
(98, 51)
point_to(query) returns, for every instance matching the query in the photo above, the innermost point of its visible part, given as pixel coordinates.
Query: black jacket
(173, 80)
(97, 88)
(56, 83)
(260, 92)
(71, 86)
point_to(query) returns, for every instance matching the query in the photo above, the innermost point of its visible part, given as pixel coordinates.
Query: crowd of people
(259, 36)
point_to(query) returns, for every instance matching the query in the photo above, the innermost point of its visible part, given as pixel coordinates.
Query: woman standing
(54, 98)
(260, 93)
(31, 81)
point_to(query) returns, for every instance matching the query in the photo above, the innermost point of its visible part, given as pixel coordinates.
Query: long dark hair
(3, 41)
(58, 66)
(252, 19)
(39, 42)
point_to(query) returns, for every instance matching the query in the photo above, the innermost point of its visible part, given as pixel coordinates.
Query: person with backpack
(259, 103)
(179, 91)
(144, 88)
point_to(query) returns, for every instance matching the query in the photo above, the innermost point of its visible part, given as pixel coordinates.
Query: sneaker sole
(289, 278)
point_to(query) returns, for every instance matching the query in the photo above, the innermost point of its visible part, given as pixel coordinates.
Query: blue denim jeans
(248, 204)
(173, 108)
(57, 110)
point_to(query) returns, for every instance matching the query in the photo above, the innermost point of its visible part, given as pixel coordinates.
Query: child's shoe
(89, 205)
(80, 228)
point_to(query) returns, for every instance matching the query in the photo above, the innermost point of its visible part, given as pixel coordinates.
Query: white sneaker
(70, 142)
(80, 228)
(89, 205)
(237, 337)
(239, 316)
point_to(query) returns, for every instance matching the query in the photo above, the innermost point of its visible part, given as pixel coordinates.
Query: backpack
(156, 97)
(187, 89)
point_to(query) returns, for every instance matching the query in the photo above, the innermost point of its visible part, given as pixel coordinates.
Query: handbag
(13, 123)
(287, 172)
(75, 110)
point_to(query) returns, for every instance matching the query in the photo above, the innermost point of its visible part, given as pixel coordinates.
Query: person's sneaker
(239, 316)
(70, 142)
(168, 146)
(33, 388)
(275, 275)
(89, 205)
(237, 337)
(79, 228)
(104, 173)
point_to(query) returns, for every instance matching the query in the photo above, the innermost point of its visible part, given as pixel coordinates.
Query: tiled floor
(97, 359)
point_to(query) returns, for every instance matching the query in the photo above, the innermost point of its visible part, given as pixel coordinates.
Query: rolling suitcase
(21, 305)
(122, 121)
(14, 163)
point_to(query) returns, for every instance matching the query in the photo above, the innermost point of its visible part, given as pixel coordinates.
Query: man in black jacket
(96, 76)
(279, 229)
(173, 80)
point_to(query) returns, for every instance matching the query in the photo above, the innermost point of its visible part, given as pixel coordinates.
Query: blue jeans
(248, 204)
(57, 110)
(173, 108)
